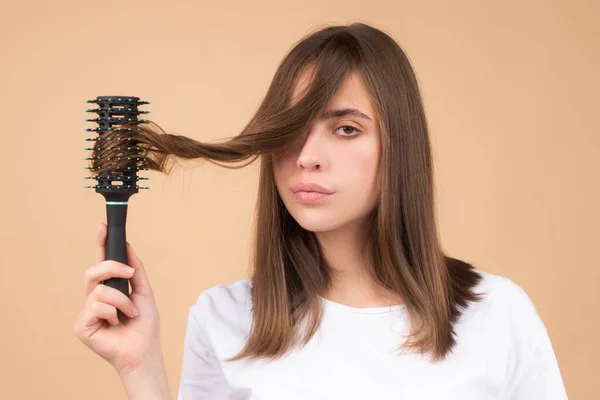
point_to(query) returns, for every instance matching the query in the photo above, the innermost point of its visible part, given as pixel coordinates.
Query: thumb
(139, 281)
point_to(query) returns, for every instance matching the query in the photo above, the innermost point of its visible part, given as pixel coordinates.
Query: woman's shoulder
(501, 289)
(506, 305)
(506, 323)
(225, 300)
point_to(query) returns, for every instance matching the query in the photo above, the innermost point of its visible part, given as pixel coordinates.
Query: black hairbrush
(117, 115)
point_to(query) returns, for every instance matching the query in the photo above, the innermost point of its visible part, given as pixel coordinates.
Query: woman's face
(341, 153)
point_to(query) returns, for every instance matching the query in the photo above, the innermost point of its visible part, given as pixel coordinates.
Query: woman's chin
(317, 222)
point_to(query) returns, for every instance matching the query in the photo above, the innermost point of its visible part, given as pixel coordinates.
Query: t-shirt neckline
(363, 310)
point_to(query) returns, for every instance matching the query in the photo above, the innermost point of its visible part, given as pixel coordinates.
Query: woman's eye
(346, 129)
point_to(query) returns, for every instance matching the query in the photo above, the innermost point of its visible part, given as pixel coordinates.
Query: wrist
(146, 379)
(152, 360)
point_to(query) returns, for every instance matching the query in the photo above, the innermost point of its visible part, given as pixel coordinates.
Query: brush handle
(116, 242)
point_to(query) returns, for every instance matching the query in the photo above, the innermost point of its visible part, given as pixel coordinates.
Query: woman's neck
(351, 283)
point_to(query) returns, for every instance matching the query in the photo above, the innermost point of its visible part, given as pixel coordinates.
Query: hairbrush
(117, 116)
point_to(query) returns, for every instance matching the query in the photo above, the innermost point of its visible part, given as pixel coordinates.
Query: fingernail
(135, 311)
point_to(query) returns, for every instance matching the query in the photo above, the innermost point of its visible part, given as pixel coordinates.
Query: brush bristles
(115, 158)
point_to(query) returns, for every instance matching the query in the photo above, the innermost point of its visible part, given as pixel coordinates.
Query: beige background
(510, 89)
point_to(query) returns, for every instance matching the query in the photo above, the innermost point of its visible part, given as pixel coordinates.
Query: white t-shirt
(503, 352)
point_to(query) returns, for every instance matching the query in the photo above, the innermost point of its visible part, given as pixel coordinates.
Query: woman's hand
(132, 340)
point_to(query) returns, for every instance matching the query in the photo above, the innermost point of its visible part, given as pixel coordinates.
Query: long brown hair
(402, 247)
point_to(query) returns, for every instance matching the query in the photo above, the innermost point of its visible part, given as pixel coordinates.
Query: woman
(351, 294)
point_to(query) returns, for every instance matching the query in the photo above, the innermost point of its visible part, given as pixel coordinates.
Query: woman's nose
(309, 163)
(311, 151)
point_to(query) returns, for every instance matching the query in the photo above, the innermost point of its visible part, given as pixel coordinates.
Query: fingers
(94, 275)
(139, 282)
(111, 299)
(99, 310)
(104, 270)
(101, 243)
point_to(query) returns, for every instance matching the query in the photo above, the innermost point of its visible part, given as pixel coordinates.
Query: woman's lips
(310, 197)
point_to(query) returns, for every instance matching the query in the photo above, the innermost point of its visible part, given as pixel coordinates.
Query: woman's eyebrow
(336, 113)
